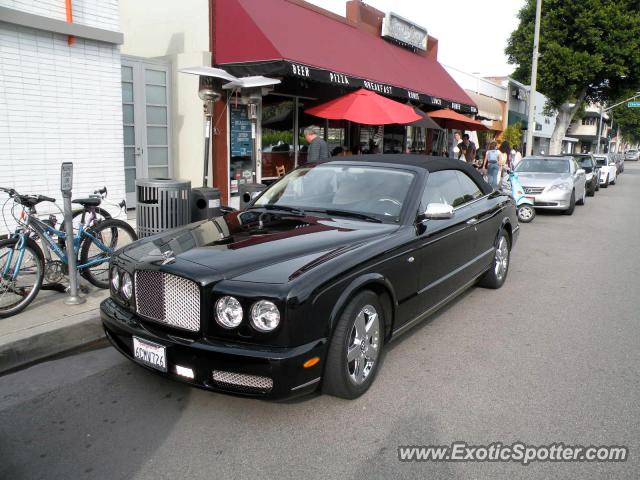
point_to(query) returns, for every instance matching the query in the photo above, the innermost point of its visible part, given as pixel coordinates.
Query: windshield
(544, 165)
(601, 160)
(584, 161)
(375, 191)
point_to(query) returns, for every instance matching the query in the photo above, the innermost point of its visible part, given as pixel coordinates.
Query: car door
(446, 246)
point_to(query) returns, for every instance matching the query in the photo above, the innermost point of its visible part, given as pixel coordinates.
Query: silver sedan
(556, 183)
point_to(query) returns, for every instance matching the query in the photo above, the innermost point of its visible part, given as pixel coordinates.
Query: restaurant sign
(404, 32)
(341, 79)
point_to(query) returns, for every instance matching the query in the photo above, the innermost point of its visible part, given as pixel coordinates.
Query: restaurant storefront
(317, 56)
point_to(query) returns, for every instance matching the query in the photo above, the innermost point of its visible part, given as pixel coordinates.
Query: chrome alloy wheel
(525, 213)
(502, 258)
(364, 344)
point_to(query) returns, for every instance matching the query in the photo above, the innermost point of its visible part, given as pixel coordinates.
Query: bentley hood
(256, 246)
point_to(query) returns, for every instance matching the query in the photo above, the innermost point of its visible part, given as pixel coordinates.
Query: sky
(472, 34)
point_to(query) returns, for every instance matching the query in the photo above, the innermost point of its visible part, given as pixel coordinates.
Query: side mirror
(438, 211)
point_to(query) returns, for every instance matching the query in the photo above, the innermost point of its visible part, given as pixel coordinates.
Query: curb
(53, 338)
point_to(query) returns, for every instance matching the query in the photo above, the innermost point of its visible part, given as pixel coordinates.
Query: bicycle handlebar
(27, 200)
(101, 191)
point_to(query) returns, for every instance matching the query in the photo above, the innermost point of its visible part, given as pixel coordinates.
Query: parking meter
(66, 185)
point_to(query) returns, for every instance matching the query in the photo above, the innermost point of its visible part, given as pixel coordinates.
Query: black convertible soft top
(427, 162)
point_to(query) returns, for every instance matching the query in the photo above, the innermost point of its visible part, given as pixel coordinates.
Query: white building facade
(60, 97)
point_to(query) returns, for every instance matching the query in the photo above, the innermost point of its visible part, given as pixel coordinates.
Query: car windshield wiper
(284, 208)
(347, 213)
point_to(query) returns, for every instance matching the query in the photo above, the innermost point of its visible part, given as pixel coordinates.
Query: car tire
(613, 182)
(572, 204)
(591, 192)
(583, 200)
(606, 183)
(598, 183)
(497, 274)
(344, 374)
(526, 213)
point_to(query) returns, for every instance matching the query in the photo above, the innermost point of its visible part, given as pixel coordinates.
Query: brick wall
(60, 103)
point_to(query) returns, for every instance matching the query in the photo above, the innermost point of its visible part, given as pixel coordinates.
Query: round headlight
(115, 279)
(127, 286)
(228, 312)
(265, 316)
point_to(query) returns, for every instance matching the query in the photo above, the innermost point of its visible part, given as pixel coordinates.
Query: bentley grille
(168, 299)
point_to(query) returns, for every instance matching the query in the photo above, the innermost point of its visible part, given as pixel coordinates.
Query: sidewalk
(48, 327)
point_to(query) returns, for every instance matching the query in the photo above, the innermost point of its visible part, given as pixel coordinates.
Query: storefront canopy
(283, 38)
(488, 107)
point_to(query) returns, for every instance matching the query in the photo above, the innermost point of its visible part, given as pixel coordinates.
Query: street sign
(633, 104)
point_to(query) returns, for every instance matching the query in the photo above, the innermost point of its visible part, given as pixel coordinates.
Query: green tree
(513, 134)
(628, 120)
(589, 52)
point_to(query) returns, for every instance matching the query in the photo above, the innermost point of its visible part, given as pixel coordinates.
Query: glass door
(145, 122)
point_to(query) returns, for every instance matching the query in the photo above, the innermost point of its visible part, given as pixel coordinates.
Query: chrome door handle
(473, 220)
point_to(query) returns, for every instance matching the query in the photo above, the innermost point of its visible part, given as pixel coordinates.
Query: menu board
(241, 142)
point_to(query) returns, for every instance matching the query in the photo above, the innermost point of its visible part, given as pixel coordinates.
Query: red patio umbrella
(454, 120)
(366, 107)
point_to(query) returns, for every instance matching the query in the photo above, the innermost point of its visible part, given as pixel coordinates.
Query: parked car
(633, 155)
(608, 170)
(592, 171)
(618, 159)
(305, 287)
(555, 183)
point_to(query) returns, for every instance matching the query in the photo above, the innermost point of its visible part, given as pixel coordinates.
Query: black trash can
(249, 191)
(205, 203)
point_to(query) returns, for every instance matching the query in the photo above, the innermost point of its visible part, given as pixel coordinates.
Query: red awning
(264, 32)
(450, 119)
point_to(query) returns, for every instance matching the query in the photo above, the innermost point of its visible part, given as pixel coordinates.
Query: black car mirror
(438, 211)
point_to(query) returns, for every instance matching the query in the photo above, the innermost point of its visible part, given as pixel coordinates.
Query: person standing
(467, 149)
(318, 148)
(505, 160)
(516, 156)
(492, 164)
(455, 150)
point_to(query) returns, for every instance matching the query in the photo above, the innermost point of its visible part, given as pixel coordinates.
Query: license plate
(150, 354)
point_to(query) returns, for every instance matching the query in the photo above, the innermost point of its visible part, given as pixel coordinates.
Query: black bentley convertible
(305, 287)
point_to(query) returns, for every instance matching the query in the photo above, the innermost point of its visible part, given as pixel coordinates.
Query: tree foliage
(589, 49)
(628, 120)
(513, 134)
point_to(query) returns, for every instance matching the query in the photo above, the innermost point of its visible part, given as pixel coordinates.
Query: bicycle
(22, 262)
(91, 213)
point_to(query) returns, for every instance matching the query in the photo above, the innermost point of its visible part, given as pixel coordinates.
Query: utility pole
(534, 76)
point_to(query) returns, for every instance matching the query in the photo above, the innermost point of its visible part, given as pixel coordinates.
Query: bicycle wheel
(101, 216)
(16, 293)
(110, 235)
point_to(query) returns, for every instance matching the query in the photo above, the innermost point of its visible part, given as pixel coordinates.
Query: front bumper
(552, 200)
(284, 366)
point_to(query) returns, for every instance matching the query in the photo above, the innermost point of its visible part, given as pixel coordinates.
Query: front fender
(375, 280)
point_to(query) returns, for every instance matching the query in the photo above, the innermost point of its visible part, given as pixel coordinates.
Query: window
(468, 188)
(589, 121)
(452, 187)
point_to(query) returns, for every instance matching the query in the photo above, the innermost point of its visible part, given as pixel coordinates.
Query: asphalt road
(554, 356)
